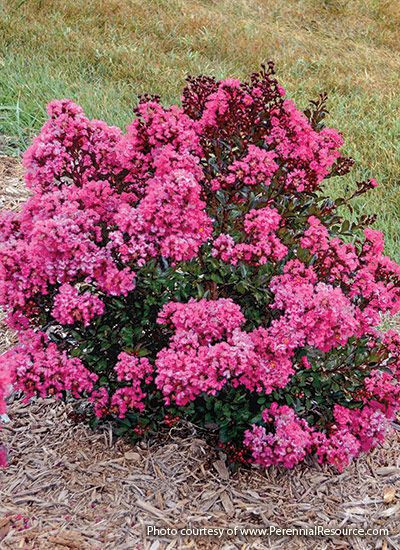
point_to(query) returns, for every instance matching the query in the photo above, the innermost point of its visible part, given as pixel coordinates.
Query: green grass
(102, 53)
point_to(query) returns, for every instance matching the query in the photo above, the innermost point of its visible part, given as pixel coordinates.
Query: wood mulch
(68, 487)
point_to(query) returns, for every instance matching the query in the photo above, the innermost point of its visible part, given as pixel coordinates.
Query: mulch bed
(68, 487)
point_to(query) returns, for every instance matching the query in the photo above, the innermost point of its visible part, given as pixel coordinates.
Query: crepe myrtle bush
(196, 268)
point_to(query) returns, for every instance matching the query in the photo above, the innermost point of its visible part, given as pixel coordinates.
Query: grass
(102, 53)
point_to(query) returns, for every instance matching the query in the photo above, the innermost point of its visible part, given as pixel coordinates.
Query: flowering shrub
(195, 267)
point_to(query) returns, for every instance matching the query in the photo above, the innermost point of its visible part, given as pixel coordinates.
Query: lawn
(102, 53)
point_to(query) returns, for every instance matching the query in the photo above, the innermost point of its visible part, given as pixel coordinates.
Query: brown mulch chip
(68, 487)
(12, 190)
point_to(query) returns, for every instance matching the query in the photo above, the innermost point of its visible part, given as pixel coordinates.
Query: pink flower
(310, 153)
(6, 376)
(262, 246)
(54, 156)
(321, 313)
(288, 444)
(305, 362)
(70, 306)
(209, 350)
(3, 457)
(256, 168)
(41, 369)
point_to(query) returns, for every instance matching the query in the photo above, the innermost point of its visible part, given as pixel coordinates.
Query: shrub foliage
(195, 267)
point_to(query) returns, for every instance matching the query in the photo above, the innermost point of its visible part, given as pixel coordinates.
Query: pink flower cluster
(172, 217)
(158, 141)
(368, 276)
(209, 320)
(58, 239)
(159, 159)
(70, 147)
(337, 260)
(71, 307)
(309, 155)
(376, 282)
(290, 439)
(320, 315)
(260, 227)
(355, 431)
(288, 444)
(39, 368)
(230, 109)
(209, 350)
(136, 373)
(257, 113)
(256, 168)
